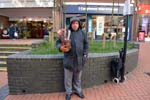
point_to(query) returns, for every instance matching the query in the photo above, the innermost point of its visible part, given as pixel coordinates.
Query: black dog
(117, 67)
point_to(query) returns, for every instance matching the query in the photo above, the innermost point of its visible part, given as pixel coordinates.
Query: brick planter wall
(44, 73)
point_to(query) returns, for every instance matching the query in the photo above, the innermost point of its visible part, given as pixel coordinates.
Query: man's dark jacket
(74, 59)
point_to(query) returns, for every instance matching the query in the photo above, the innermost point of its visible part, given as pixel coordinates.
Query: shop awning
(34, 14)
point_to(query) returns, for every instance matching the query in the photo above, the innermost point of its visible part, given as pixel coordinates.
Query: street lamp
(124, 49)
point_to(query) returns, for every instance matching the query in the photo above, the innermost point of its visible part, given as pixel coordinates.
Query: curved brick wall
(44, 73)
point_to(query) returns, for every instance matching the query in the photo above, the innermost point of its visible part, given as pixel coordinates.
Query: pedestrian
(15, 31)
(11, 31)
(46, 30)
(75, 56)
(40, 32)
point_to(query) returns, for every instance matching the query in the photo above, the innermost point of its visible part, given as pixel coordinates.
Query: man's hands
(64, 48)
(60, 32)
(65, 41)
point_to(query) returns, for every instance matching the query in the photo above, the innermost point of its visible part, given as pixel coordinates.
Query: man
(74, 58)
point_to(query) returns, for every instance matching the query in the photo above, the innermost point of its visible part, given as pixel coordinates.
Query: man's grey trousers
(72, 78)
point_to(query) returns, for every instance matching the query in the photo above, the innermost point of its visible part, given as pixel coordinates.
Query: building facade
(97, 16)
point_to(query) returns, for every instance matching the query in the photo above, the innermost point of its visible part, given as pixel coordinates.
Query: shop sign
(96, 9)
(92, 9)
(90, 24)
(141, 36)
(100, 25)
(127, 8)
(145, 24)
(144, 9)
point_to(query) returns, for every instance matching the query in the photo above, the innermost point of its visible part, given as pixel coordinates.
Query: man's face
(75, 25)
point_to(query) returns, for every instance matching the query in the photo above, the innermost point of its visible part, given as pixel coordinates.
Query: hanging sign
(100, 25)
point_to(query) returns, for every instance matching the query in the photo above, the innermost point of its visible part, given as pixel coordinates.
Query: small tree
(112, 22)
(51, 34)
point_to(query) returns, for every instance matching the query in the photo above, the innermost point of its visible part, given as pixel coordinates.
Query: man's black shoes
(68, 96)
(80, 95)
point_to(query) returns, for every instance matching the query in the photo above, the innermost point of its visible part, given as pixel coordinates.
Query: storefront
(29, 22)
(32, 27)
(144, 19)
(99, 18)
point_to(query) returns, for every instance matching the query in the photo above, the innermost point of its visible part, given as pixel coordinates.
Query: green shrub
(94, 47)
